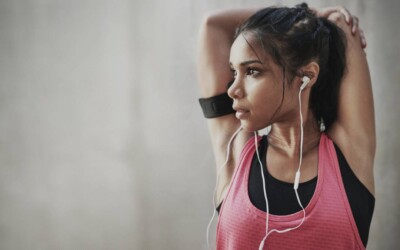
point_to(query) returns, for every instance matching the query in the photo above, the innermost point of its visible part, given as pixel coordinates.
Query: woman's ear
(310, 70)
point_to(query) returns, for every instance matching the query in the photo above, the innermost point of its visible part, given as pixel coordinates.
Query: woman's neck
(285, 137)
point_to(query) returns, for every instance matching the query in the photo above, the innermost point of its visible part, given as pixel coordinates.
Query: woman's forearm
(215, 40)
(356, 91)
(229, 19)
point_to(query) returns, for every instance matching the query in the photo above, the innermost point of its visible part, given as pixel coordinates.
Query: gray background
(102, 141)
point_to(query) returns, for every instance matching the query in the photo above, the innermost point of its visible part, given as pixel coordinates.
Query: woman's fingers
(356, 28)
(325, 12)
(336, 13)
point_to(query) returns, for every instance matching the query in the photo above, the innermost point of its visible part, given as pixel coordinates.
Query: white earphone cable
(295, 186)
(265, 192)
(216, 185)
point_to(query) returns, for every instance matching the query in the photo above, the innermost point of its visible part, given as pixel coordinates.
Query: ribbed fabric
(329, 223)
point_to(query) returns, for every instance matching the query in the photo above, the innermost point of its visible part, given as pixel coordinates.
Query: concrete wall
(102, 141)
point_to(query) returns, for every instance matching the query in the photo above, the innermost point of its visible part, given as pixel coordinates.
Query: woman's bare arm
(354, 130)
(215, 40)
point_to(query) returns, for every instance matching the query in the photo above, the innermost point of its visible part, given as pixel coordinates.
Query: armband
(217, 106)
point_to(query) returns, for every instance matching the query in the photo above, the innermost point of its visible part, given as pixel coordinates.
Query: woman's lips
(242, 113)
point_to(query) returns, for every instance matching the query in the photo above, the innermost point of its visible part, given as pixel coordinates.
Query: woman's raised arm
(354, 130)
(214, 74)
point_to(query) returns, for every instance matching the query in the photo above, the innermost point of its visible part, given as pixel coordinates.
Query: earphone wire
(265, 193)
(297, 180)
(296, 183)
(216, 185)
(295, 187)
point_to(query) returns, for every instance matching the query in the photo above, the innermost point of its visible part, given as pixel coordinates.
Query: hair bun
(303, 6)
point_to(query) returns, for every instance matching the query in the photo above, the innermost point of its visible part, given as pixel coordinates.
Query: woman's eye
(252, 71)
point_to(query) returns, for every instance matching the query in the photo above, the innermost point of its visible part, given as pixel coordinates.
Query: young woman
(309, 183)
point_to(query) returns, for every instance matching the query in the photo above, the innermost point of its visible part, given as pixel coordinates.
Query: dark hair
(294, 37)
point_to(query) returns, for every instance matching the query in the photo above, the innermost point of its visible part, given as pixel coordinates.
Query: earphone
(216, 185)
(306, 80)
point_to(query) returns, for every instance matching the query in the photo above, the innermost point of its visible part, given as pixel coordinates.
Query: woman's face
(257, 90)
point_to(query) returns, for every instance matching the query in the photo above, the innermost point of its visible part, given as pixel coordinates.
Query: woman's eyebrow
(247, 62)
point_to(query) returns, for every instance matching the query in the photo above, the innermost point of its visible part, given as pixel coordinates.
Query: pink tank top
(329, 222)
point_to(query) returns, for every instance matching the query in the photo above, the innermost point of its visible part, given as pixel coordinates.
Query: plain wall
(102, 142)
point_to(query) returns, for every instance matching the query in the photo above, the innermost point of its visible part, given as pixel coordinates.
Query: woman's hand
(332, 14)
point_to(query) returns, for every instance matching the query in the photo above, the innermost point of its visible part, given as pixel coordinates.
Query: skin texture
(258, 96)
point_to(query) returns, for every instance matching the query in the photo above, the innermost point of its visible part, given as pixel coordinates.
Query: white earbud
(306, 80)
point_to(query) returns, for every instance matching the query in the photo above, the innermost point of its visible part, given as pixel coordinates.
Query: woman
(309, 183)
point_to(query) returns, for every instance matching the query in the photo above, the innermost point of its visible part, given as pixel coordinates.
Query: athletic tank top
(329, 223)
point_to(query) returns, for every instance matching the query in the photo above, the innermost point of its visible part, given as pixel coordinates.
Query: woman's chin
(248, 126)
(251, 127)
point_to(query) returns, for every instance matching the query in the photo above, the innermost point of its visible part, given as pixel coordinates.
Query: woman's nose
(235, 91)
